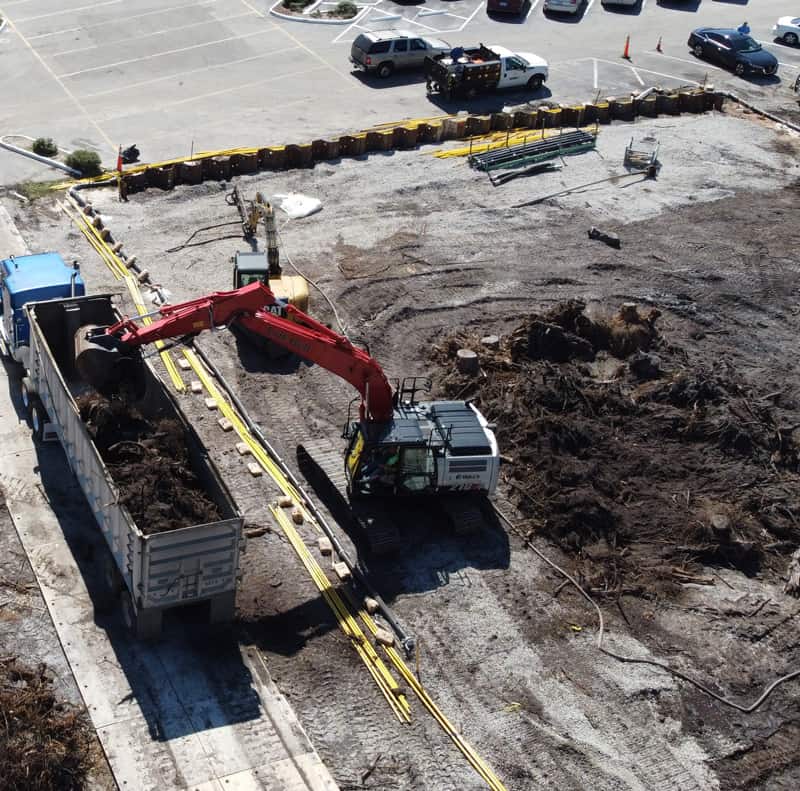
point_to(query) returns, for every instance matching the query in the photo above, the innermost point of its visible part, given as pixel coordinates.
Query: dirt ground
(673, 497)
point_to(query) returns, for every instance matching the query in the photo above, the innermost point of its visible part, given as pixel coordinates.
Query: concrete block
(196, 386)
(380, 140)
(225, 424)
(341, 571)
(217, 168)
(243, 449)
(431, 132)
(526, 119)
(284, 501)
(255, 469)
(453, 128)
(371, 605)
(297, 516)
(211, 403)
(502, 121)
(136, 182)
(324, 545)
(384, 637)
(184, 363)
(478, 125)
(247, 163)
(190, 172)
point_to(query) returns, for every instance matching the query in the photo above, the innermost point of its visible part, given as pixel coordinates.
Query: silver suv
(383, 51)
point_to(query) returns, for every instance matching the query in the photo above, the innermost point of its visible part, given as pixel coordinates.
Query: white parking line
(531, 7)
(154, 33)
(122, 87)
(221, 92)
(167, 52)
(696, 62)
(636, 74)
(588, 9)
(69, 11)
(118, 19)
(677, 78)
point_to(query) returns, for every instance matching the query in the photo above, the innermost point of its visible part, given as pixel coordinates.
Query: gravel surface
(412, 248)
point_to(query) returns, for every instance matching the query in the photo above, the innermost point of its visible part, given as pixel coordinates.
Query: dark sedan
(737, 51)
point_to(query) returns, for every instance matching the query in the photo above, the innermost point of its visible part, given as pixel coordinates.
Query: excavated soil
(642, 465)
(150, 464)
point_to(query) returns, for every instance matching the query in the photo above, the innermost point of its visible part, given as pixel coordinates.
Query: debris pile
(644, 466)
(150, 464)
(45, 743)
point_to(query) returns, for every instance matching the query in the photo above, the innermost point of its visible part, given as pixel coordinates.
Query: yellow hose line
(347, 623)
(475, 760)
(121, 272)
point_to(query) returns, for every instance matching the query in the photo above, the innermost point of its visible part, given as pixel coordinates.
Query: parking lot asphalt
(209, 74)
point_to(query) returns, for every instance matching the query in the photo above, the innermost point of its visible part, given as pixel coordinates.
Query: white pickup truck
(469, 71)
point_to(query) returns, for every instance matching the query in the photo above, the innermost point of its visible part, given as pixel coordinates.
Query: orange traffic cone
(658, 46)
(627, 51)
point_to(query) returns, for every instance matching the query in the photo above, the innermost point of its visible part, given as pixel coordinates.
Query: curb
(311, 21)
(782, 121)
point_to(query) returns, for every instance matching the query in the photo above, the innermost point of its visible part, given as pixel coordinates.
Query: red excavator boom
(251, 307)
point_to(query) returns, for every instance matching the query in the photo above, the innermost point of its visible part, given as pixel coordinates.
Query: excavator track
(321, 458)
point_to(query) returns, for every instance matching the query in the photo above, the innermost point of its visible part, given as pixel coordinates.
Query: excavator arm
(248, 307)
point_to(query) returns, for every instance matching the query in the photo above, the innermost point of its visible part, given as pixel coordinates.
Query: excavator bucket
(111, 370)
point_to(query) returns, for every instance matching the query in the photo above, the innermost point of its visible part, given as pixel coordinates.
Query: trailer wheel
(38, 418)
(536, 82)
(28, 393)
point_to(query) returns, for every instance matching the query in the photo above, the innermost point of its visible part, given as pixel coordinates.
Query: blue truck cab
(31, 278)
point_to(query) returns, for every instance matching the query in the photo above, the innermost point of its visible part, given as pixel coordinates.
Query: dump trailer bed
(153, 571)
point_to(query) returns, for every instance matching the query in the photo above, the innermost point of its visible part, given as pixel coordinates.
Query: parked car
(563, 6)
(384, 51)
(506, 6)
(737, 51)
(787, 29)
(628, 3)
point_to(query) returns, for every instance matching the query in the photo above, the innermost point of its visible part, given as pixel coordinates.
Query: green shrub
(88, 162)
(346, 9)
(296, 5)
(45, 147)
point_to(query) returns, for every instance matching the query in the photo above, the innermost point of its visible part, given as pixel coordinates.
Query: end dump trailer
(152, 572)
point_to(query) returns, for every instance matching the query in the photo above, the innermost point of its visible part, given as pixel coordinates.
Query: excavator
(257, 265)
(397, 446)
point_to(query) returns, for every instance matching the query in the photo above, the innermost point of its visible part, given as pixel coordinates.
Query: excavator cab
(251, 267)
(390, 460)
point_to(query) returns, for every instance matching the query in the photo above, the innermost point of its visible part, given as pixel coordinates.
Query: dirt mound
(566, 333)
(646, 469)
(150, 464)
(46, 743)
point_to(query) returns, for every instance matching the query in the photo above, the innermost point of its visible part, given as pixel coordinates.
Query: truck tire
(385, 70)
(536, 82)
(28, 393)
(38, 418)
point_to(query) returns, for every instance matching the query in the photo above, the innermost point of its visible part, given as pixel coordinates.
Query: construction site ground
(413, 250)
